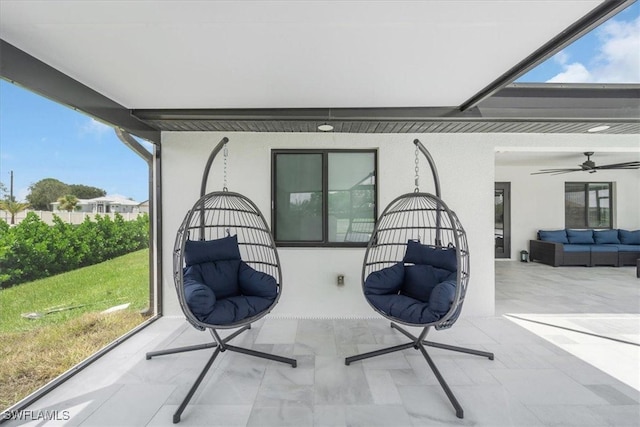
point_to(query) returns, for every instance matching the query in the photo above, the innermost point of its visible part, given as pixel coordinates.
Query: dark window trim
(325, 196)
(585, 190)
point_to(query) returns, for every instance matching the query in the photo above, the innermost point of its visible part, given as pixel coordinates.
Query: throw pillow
(603, 237)
(629, 237)
(556, 236)
(385, 281)
(199, 251)
(580, 237)
(418, 253)
(256, 283)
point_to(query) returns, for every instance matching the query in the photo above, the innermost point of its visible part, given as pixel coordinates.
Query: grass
(35, 351)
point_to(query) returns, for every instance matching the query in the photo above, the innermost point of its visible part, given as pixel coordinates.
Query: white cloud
(94, 127)
(616, 59)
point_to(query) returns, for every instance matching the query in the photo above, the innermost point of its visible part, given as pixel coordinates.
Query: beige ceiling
(285, 54)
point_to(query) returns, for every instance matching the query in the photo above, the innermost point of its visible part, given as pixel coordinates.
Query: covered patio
(268, 76)
(573, 362)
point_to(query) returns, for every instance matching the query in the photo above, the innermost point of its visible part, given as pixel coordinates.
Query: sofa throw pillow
(629, 237)
(199, 251)
(581, 237)
(603, 237)
(418, 253)
(555, 236)
(386, 281)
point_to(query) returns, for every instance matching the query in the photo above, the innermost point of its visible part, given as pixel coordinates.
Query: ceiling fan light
(325, 127)
(598, 128)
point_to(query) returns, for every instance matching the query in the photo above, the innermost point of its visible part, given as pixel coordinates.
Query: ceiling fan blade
(625, 165)
(556, 171)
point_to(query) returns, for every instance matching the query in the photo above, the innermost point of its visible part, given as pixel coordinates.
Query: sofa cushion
(580, 237)
(200, 298)
(629, 237)
(627, 248)
(577, 248)
(602, 237)
(604, 248)
(385, 281)
(418, 253)
(199, 251)
(556, 236)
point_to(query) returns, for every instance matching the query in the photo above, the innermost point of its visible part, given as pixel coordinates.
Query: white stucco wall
(467, 173)
(309, 275)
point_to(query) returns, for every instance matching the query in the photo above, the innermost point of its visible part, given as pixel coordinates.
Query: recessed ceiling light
(325, 128)
(598, 128)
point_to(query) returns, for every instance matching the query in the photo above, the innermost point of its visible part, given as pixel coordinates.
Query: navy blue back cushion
(602, 237)
(200, 251)
(418, 253)
(256, 283)
(385, 281)
(221, 277)
(582, 237)
(556, 236)
(629, 237)
(420, 280)
(441, 297)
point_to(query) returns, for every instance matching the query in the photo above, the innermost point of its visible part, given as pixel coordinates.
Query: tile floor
(572, 362)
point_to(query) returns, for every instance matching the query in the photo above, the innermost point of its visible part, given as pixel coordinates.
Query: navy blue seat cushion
(418, 253)
(604, 248)
(629, 237)
(628, 248)
(577, 248)
(603, 237)
(200, 298)
(234, 309)
(385, 281)
(199, 251)
(556, 236)
(580, 237)
(220, 276)
(414, 311)
(420, 280)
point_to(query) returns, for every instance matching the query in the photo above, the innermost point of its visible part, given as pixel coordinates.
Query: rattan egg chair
(416, 271)
(226, 271)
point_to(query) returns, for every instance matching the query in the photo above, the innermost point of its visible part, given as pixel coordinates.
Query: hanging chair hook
(432, 165)
(207, 168)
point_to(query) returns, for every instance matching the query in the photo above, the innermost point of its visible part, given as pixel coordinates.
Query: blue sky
(41, 139)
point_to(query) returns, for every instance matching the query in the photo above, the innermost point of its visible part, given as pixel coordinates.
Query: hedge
(34, 250)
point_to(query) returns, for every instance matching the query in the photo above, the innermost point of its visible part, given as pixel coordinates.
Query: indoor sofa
(586, 247)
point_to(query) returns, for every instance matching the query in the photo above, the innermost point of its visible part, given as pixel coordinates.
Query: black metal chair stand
(220, 345)
(419, 343)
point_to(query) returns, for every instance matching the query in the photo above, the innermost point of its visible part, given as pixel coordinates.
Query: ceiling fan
(590, 166)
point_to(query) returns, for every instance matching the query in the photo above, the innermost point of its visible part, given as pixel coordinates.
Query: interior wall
(310, 274)
(537, 201)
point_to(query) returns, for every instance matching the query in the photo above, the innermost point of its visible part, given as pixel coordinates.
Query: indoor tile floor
(566, 343)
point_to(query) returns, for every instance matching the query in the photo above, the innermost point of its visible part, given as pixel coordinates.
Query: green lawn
(35, 351)
(95, 288)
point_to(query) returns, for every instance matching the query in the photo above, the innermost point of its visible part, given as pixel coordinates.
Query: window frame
(585, 191)
(324, 243)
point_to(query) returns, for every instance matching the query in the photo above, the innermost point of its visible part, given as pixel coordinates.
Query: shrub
(33, 250)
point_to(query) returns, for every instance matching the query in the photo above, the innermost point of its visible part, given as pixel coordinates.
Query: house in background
(114, 203)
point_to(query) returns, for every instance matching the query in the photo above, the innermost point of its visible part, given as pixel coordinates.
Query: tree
(45, 192)
(86, 192)
(13, 208)
(68, 203)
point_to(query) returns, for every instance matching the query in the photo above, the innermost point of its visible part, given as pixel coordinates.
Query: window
(588, 204)
(323, 197)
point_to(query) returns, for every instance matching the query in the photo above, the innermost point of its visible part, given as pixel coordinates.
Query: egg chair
(416, 271)
(226, 271)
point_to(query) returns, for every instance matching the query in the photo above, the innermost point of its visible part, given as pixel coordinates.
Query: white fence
(69, 217)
